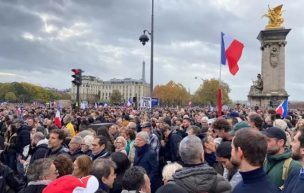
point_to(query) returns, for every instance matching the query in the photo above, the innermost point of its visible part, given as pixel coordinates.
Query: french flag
(130, 102)
(231, 51)
(283, 108)
(57, 119)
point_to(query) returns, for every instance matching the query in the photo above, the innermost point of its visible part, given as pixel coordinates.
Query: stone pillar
(273, 60)
(273, 43)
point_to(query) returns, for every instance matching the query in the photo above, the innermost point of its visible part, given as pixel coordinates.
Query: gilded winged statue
(275, 17)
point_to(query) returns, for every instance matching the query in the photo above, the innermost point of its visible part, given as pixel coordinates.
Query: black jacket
(39, 152)
(8, 180)
(61, 150)
(23, 138)
(295, 182)
(103, 154)
(171, 147)
(147, 158)
(33, 188)
(76, 154)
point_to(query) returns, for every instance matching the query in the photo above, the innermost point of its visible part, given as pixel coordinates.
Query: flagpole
(219, 93)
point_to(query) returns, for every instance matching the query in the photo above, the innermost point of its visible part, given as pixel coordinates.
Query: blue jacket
(147, 158)
(255, 181)
(295, 182)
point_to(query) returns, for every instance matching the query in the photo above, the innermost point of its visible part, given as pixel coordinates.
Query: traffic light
(77, 76)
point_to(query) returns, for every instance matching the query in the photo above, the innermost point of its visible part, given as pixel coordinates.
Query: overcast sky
(42, 40)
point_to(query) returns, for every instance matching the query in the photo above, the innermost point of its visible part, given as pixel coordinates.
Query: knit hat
(170, 188)
(144, 136)
(72, 184)
(238, 126)
(274, 132)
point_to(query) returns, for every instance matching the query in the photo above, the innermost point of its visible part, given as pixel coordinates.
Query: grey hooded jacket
(201, 178)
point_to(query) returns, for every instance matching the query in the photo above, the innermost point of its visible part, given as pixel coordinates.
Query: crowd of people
(121, 150)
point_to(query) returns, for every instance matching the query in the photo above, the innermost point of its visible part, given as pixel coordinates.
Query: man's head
(136, 178)
(221, 127)
(297, 145)
(36, 138)
(276, 139)
(223, 154)
(104, 171)
(75, 144)
(255, 120)
(113, 130)
(30, 122)
(191, 150)
(186, 122)
(99, 144)
(56, 139)
(42, 169)
(248, 146)
(142, 138)
(147, 127)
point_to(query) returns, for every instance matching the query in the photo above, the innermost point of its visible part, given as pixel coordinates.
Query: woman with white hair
(86, 144)
(169, 170)
(120, 145)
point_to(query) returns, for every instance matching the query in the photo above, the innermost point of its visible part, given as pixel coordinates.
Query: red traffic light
(76, 71)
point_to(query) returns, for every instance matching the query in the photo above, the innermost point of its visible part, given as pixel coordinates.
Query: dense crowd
(120, 149)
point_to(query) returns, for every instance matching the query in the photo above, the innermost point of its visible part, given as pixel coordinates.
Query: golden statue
(275, 17)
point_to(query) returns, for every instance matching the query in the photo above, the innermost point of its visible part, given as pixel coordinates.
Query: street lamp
(144, 39)
(197, 77)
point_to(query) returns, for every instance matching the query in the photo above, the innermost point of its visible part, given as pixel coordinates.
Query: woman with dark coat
(146, 158)
(10, 147)
(122, 164)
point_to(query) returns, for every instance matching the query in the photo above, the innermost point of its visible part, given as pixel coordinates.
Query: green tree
(116, 97)
(171, 94)
(208, 91)
(10, 97)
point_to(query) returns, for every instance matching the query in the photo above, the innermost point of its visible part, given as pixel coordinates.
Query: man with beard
(295, 181)
(248, 151)
(278, 164)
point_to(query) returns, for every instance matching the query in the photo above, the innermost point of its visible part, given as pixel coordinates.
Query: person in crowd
(99, 148)
(8, 181)
(129, 135)
(223, 156)
(186, 122)
(279, 163)
(56, 143)
(86, 144)
(39, 175)
(10, 149)
(146, 157)
(154, 141)
(114, 131)
(82, 166)
(122, 164)
(195, 176)
(75, 147)
(39, 147)
(64, 165)
(67, 120)
(209, 154)
(255, 121)
(120, 145)
(104, 171)
(193, 130)
(170, 144)
(169, 170)
(136, 179)
(295, 181)
(221, 127)
(249, 156)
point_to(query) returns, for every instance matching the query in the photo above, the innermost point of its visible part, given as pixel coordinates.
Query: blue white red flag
(283, 108)
(231, 52)
(130, 102)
